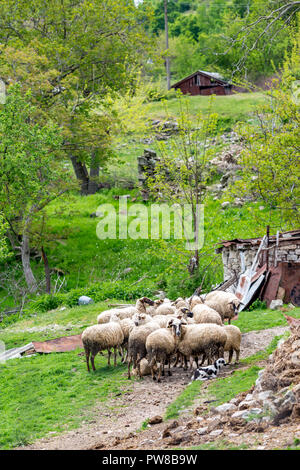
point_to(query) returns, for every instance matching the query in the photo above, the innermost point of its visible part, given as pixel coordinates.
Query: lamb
(202, 339)
(97, 338)
(137, 343)
(233, 343)
(126, 312)
(209, 372)
(161, 344)
(225, 303)
(204, 314)
(144, 368)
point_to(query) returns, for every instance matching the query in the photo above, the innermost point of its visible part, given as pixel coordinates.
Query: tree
(182, 173)
(31, 174)
(270, 160)
(70, 54)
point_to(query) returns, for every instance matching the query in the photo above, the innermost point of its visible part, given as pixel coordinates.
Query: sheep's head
(185, 312)
(145, 300)
(234, 306)
(115, 317)
(139, 318)
(158, 302)
(176, 325)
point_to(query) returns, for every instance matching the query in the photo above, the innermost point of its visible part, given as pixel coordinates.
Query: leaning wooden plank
(15, 352)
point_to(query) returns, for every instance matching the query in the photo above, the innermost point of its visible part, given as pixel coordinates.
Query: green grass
(263, 319)
(52, 392)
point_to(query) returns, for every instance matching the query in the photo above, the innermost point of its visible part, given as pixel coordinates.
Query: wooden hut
(203, 83)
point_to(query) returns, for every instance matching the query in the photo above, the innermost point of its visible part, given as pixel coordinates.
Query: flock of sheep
(151, 333)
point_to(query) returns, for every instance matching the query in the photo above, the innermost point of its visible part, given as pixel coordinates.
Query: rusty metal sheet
(271, 287)
(64, 344)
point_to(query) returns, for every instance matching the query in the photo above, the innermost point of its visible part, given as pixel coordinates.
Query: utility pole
(167, 45)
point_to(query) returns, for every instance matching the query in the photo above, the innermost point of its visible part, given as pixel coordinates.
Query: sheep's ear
(180, 316)
(170, 323)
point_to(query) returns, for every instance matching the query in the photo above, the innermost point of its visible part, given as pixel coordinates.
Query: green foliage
(270, 159)
(257, 305)
(4, 252)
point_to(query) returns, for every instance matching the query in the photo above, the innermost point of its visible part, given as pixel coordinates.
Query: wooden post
(267, 251)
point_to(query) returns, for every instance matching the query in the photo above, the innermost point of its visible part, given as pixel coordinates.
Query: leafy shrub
(257, 305)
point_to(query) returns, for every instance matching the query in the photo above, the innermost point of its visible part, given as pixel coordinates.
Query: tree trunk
(93, 185)
(47, 271)
(25, 254)
(81, 174)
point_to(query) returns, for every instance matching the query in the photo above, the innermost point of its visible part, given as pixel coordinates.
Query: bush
(98, 292)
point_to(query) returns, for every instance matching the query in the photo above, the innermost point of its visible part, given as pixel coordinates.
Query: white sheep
(204, 339)
(151, 309)
(137, 342)
(144, 368)
(166, 308)
(195, 300)
(97, 338)
(233, 342)
(225, 303)
(205, 314)
(126, 312)
(161, 344)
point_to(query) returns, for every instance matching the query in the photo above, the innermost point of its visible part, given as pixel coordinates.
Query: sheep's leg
(230, 356)
(151, 364)
(169, 370)
(129, 365)
(159, 371)
(185, 367)
(87, 357)
(203, 359)
(109, 354)
(237, 356)
(115, 356)
(138, 365)
(126, 357)
(93, 360)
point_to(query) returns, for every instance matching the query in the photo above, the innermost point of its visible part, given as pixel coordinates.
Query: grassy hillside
(73, 246)
(54, 392)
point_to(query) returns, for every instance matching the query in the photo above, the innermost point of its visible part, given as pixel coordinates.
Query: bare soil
(117, 424)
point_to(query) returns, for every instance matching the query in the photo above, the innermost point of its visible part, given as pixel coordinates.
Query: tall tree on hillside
(72, 54)
(31, 175)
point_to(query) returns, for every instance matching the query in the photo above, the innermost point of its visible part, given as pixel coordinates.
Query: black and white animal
(209, 372)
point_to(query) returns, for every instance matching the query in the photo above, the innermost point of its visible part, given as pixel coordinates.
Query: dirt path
(118, 422)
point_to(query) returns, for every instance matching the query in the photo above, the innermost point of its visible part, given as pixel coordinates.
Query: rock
(84, 300)
(155, 420)
(202, 431)
(225, 408)
(262, 396)
(275, 304)
(245, 404)
(225, 204)
(216, 432)
(243, 414)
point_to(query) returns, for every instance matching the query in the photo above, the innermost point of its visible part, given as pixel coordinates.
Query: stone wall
(231, 256)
